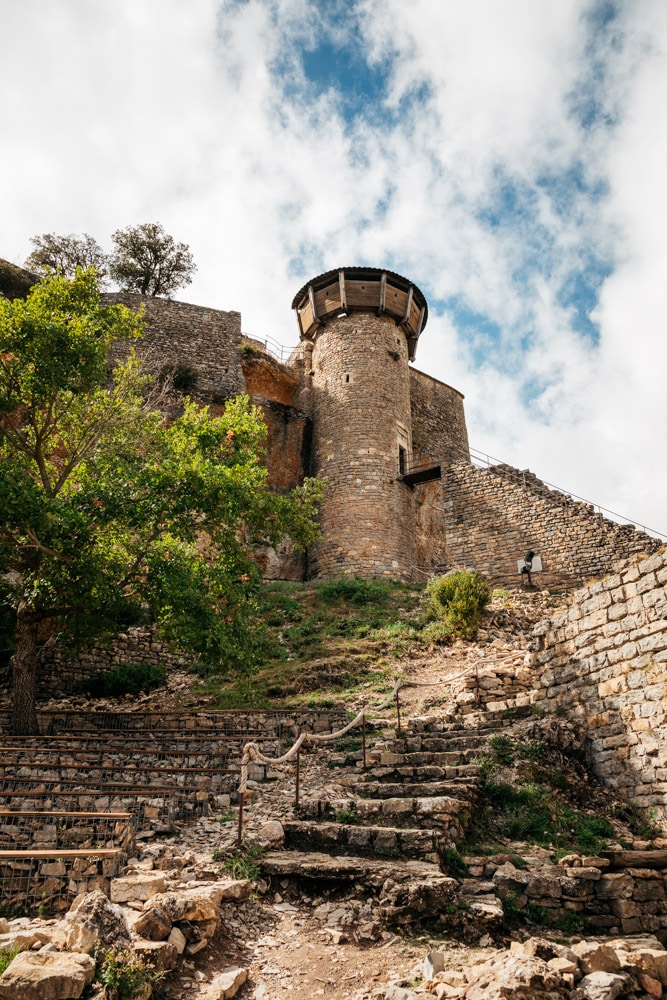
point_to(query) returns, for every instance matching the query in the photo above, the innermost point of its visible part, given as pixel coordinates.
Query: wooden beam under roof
(408, 307)
(311, 299)
(341, 286)
(383, 293)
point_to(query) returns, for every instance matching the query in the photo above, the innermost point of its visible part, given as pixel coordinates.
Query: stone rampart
(495, 515)
(603, 664)
(206, 341)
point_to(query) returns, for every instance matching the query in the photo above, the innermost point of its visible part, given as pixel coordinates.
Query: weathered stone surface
(153, 923)
(596, 956)
(178, 939)
(652, 986)
(509, 975)
(160, 955)
(138, 886)
(92, 920)
(19, 940)
(510, 880)
(651, 959)
(604, 985)
(271, 834)
(227, 984)
(187, 905)
(47, 976)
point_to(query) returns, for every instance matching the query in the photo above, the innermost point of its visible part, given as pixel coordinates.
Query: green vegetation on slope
(323, 641)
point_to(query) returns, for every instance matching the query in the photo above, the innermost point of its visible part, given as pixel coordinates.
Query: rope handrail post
(239, 835)
(298, 769)
(398, 711)
(363, 741)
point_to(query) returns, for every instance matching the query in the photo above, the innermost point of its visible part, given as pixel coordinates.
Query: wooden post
(398, 713)
(298, 756)
(363, 741)
(239, 836)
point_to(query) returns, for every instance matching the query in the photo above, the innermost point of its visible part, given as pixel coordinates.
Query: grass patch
(6, 958)
(454, 864)
(243, 864)
(524, 797)
(346, 816)
(324, 641)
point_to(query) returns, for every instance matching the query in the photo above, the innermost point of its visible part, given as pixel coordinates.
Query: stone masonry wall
(603, 663)
(494, 515)
(439, 435)
(206, 340)
(439, 429)
(62, 673)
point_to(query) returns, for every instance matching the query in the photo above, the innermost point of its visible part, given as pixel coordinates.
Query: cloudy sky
(508, 156)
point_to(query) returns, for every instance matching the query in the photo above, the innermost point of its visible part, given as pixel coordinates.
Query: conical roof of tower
(370, 289)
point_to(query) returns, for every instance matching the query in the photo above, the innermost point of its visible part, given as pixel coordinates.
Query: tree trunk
(24, 672)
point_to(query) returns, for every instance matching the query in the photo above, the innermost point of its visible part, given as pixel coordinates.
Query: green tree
(63, 254)
(148, 260)
(109, 515)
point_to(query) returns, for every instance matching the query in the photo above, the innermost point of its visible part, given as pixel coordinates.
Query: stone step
(365, 841)
(438, 812)
(407, 890)
(462, 788)
(441, 758)
(463, 746)
(425, 772)
(488, 721)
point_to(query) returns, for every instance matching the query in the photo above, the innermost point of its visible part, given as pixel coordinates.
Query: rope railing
(252, 753)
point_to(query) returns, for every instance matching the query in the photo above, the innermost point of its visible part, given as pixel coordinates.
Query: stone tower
(360, 328)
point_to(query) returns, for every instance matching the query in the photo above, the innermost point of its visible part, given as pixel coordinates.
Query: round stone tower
(360, 328)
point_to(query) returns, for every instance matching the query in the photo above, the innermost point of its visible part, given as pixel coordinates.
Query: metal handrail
(279, 351)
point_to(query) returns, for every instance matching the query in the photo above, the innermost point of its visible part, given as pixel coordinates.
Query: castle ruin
(403, 498)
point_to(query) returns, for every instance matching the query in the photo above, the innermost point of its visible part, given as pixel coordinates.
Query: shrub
(124, 976)
(126, 679)
(354, 590)
(454, 863)
(182, 377)
(458, 601)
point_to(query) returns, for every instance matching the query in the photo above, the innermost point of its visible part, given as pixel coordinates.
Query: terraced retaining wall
(62, 672)
(584, 897)
(603, 663)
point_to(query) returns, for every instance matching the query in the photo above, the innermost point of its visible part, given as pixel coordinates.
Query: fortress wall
(439, 429)
(207, 340)
(603, 663)
(494, 515)
(439, 435)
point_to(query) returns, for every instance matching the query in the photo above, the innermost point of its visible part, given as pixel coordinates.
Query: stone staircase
(408, 807)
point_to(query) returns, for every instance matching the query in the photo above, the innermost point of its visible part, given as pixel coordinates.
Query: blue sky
(507, 157)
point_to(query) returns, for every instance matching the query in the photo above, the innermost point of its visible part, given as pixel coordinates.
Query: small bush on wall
(456, 602)
(126, 679)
